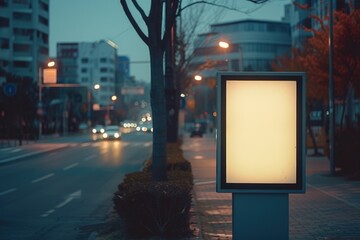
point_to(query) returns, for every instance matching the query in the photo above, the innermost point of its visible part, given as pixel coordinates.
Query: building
(250, 45)
(89, 64)
(24, 37)
(253, 45)
(298, 15)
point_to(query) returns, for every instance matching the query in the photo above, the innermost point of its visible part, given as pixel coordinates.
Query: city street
(56, 194)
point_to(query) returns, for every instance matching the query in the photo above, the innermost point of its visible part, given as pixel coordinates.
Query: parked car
(112, 132)
(197, 131)
(98, 129)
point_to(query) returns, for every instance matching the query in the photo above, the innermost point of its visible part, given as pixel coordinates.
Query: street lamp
(206, 95)
(46, 75)
(198, 77)
(96, 87)
(226, 45)
(113, 98)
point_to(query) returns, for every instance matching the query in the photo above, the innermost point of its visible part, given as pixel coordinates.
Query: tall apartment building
(88, 64)
(24, 37)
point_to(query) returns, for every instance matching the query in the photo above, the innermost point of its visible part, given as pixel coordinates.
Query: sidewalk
(330, 209)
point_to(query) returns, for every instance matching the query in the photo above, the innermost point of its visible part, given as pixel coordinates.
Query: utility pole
(331, 91)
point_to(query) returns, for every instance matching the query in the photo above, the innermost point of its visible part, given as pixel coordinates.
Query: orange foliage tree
(313, 59)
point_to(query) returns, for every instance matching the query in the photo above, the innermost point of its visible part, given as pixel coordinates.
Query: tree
(313, 59)
(158, 34)
(155, 40)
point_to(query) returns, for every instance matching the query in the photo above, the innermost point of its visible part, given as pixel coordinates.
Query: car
(98, 129)
(197, 131)
(112, 132)
(146, 127)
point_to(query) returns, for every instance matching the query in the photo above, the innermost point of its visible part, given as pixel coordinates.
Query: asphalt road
(54, 195)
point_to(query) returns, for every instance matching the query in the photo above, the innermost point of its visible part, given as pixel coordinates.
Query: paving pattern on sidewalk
(215, 211)
(329, 210)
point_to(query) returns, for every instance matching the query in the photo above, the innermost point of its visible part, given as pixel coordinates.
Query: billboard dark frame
(221, 183)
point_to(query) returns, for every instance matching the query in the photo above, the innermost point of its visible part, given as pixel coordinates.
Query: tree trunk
(158, 105)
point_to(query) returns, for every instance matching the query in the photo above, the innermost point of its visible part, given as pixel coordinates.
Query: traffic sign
(9, 89)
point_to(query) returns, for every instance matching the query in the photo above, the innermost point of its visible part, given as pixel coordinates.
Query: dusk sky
(94, 20)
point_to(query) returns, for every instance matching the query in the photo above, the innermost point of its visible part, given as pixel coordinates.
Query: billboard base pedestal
(260, 216)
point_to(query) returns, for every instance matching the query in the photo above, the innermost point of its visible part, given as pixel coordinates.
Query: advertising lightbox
(261, 132)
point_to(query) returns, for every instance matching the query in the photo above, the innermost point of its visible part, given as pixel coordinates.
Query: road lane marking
(85, 144)
(148, 144)
(72, 196)
(8, 191)
(48, 213)
(69, 198)
(198, 157)
(70, 166)
(43, 178)
(89, 157)
(16, 150)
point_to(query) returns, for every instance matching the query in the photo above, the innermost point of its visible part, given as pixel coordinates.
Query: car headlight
(137, 128)
(105, 135)
(116, 135)
(94, 130)
(102, 130)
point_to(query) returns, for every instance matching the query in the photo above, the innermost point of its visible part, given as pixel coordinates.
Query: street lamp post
(113, 99)
(49, 77)
(226, 45)
(89, 98)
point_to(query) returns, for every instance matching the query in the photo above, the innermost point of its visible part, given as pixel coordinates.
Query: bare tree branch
(220, 5)
(141, 11)
(133, 22)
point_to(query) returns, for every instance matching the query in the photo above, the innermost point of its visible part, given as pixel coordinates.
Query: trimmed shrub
(152, 208)
(346, 151)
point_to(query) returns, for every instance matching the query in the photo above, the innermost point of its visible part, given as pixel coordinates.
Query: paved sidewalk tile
(329, 210)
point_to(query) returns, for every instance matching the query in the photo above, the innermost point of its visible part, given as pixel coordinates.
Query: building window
(44, 6)
(21, 64)
(235, 65)
(21, 48)
(84, 60)
(43, 21)
(25, 17)
(4, 22)
(4, 3)
(84, 79)
(4, 43)
(84, 70)
(103, 70)
(103, 79)
(103, 60)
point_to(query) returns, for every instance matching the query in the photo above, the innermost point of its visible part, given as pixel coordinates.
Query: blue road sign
(9, 89)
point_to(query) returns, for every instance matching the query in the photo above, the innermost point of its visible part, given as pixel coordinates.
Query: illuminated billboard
(261, 124)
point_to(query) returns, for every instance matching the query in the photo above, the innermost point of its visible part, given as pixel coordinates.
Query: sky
(94, 20)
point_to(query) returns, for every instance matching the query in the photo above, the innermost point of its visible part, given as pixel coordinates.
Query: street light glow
(97, 86)
(51, 64)
(113, 98)
(223, 44)
(198, 78)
